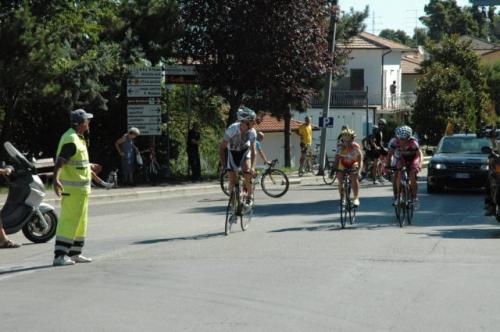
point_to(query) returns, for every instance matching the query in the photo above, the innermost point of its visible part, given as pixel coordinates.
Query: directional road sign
(143, 110)
(148, 129)
(155, 81)
(181, 74)
(139, 72)
(144, 120)
(485, 2)
(143, 91)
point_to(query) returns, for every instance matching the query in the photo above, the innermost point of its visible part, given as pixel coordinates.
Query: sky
(392, 14)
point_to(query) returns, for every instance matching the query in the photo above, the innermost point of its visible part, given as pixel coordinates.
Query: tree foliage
(445, 17)
(452, 88)
(60, 55)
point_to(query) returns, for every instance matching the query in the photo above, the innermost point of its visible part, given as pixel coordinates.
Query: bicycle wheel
(350, 207)
(329, 175)
(274, 183)
(246, 218)
(402, 206)
(409, 207)
(231, 212)
(344, 208)
(224, 180)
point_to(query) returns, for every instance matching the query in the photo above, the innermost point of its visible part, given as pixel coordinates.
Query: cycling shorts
(235, 159)
(304, 148)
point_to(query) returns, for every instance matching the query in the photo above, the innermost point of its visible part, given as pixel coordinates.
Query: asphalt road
(165, 265)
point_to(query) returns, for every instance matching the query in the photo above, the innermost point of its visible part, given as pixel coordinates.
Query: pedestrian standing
(193, 152)
(5, 243)
(128, 152)
(392, 89)
(72, 177)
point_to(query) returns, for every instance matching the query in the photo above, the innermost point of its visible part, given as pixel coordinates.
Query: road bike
(347, 208)
(330, 170)
(237, 207)
(404, 206)
(274, 182)
(309, 162)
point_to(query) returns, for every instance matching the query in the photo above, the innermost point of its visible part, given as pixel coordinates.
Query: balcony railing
(348, 98)
(342, 98)
(399, 101)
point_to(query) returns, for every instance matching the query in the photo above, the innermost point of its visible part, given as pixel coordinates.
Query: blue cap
(79, 115)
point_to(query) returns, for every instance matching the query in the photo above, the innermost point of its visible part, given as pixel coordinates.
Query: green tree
(492, 74)
(452, 88)
(445, 17)
(398, 36)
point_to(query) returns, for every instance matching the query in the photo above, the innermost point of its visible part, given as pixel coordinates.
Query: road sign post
(144, 99)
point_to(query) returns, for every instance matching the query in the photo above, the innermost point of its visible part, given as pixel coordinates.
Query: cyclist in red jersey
(405, 150)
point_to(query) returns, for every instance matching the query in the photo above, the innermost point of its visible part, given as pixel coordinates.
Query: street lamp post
(334, 10)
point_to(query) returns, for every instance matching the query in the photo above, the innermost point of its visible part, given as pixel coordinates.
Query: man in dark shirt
(193, 153)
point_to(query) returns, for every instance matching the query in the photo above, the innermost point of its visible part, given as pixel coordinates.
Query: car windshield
(469, 145)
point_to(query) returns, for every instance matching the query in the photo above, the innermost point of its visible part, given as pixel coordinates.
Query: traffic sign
(148, 129)
(144, 101)
(144, 81)
(144, 91)
(326, 122)
(177, 70)
(137, 120)
(139, 72)
(485, 2)
(143, 110)
(181, 74)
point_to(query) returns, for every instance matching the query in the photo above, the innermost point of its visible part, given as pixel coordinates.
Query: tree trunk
(234, 105)
(287, 116)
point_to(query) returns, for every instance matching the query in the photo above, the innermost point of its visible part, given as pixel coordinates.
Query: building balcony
(342, 98)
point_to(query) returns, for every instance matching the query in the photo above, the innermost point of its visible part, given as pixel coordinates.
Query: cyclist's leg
(413, 183)
(355, 186)
(340, 177)
(245, 166)
(232, 168)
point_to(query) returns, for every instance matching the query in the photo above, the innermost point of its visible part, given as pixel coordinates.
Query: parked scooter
(24, 209)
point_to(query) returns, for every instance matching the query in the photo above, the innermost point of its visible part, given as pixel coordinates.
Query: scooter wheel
(34, 231)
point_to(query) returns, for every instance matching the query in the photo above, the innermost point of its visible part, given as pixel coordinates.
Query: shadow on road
(25, 269)
(182, 238)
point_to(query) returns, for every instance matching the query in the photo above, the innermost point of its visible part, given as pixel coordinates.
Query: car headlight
(439, 166)
(485, 167)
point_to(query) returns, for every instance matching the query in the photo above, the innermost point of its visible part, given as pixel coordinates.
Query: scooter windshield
(17, 156)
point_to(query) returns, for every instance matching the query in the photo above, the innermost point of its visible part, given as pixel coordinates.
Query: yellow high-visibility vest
(75, 174)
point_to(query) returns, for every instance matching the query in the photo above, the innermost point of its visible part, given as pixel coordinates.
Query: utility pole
(334, 14)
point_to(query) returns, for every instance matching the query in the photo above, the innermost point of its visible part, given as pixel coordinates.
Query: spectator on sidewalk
(193, 152)
(5, 243)
(258, 146)
(305, 133)
(128, 152)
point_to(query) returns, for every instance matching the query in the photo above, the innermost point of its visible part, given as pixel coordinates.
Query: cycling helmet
(403, 132)
(348, 133)
(246, 114)
(382, 121)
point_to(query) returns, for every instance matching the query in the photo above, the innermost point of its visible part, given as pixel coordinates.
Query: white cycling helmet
(246, 114)
(403, 132)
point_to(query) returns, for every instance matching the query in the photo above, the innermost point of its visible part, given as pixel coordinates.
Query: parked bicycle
(310, 162)
(237, 207)
(274, 182)
(405, 207)
(330, 170)
(347, 208)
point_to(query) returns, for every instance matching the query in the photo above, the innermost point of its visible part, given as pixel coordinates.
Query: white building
(274, 140)
(363, 96)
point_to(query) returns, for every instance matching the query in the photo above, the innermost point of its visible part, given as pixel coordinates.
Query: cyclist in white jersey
(239, 139)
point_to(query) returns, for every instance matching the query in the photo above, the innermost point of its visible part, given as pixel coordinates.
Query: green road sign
(485, 2)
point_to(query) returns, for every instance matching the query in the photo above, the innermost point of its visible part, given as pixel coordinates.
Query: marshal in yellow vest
(75, 174)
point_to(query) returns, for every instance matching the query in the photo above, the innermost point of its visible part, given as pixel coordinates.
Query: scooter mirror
(17, 156)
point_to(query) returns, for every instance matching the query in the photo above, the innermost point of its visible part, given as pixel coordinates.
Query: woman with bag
(130, 155)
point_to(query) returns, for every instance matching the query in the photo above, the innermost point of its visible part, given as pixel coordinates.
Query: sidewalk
(169, 189)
